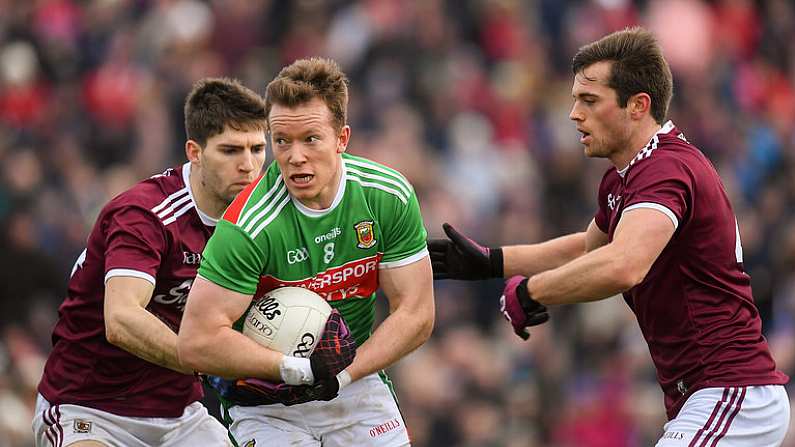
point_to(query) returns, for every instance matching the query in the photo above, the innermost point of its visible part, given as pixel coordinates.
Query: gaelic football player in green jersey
(340, 225)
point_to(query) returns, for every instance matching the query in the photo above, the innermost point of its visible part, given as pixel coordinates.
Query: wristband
(296, 371)
(496, 262)
(528, 303)
(344, 378)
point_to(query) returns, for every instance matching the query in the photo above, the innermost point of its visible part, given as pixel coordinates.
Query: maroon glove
(519, 308)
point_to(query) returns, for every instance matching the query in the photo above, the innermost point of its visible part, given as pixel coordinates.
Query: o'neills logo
(386, 427)
(364, 234)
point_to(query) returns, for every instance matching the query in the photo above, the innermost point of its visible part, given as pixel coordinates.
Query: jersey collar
(310, 212)
(648, 148)
(206, 219)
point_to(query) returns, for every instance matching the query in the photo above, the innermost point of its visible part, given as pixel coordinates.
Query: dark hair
(638, 67)
(215, 103)
(306, 79)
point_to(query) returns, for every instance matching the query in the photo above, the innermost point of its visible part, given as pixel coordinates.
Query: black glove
(334, 351)
(462, 258)
(270, 392)
(519, 308)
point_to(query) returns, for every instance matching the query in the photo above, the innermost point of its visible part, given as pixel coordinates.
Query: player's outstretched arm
(528, 260)
(640, 237)
(131, 327)
(409, 290)
(594, 237)
(208, 343)
(459, 257)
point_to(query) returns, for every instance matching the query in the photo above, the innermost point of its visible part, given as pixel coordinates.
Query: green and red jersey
(268, 239)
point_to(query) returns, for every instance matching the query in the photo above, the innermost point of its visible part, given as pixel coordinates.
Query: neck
(204, 201)
(637, 140)
(326, 198)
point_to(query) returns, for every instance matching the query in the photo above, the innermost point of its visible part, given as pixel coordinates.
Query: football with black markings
(288, 319)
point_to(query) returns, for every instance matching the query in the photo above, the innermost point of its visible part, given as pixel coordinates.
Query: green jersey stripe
(267, 210)
(380, 168)
(394, 192)
(273, 215)
(241, 222)
(402, 187)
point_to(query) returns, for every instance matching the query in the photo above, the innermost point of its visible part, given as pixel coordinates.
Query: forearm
(528, 260)
(398, 335)
(227, 353)
(600, 274)
(139, 332)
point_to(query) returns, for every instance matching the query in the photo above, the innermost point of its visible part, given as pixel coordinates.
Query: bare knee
(87, 444)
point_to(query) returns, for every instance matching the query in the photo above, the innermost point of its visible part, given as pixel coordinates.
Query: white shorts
(364, 414)
(745, 416)
(62, 425)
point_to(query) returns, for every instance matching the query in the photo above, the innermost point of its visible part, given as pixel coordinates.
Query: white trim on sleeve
(655, 206)
(405, 261)
(129, 272)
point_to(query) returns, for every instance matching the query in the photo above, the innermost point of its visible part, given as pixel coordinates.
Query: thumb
(454, 235)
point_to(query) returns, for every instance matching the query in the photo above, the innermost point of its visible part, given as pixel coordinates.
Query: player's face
(307, 148)
(603, 124)
(230, 161)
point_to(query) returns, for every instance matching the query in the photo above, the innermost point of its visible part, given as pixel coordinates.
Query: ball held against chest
(288, 319)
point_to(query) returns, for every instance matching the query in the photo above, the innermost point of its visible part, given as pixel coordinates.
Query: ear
(192, 151)
(343, 139)
(639, 105)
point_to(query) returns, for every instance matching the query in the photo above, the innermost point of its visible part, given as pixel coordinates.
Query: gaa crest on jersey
(364, 234)
(251, 443)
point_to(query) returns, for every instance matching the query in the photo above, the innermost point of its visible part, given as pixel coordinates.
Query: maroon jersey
(152, 231)
(694, 307)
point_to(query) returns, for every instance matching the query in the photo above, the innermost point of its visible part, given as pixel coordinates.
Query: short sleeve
(135, 241)
(404, 234)
(601, 218)
(232, 259)
(663, 184)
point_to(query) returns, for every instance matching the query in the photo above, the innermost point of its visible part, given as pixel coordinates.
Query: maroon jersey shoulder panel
(151, 231)
(605, 199)
(695, 306)
(666, 181)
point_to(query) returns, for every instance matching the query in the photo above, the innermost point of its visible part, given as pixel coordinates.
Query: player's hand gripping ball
(333, 353)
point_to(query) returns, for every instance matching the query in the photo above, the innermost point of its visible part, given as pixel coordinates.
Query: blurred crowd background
(470, 99)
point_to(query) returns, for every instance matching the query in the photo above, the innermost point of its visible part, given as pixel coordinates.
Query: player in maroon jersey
(666, 237)
(113, 376)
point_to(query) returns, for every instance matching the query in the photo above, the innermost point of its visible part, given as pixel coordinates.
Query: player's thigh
(754, 416)
(87, 444)
(197, 428)
(69, 425)
(270, 425)
(369, 417)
